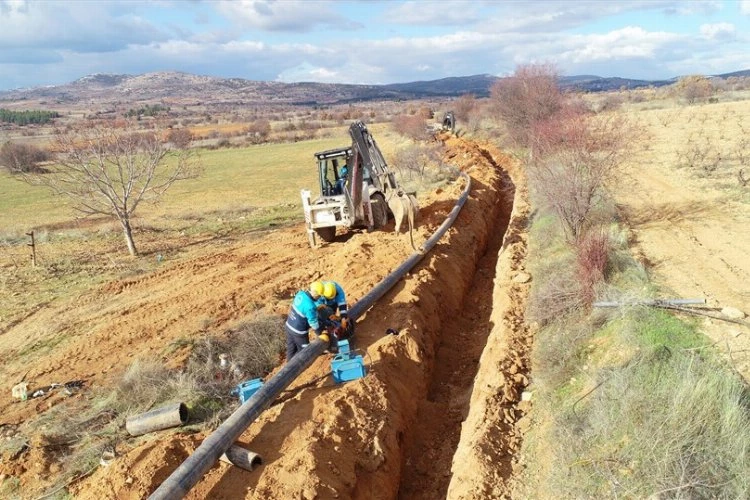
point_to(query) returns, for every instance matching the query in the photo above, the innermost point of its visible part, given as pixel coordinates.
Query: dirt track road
(694, 241)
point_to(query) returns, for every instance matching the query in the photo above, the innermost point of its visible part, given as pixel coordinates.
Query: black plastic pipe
(218, 442)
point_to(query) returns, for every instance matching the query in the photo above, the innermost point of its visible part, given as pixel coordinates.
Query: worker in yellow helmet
(303, 316)
(333, 296)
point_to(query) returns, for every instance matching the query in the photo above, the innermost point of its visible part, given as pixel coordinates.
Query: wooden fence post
(33, 248)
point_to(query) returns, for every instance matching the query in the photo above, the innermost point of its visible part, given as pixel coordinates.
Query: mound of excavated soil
(372, 438)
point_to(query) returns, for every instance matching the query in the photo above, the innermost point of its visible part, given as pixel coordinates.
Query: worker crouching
(303, 316)
(333, 314)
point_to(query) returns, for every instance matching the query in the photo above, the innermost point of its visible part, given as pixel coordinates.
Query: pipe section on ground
(158, 419)
(242, 458)
(218, 442)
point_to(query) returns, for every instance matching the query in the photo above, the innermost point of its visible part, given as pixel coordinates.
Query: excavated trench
(437, 414)
(434, 437)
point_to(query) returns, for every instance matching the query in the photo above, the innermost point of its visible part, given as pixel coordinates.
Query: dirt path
(694, 241)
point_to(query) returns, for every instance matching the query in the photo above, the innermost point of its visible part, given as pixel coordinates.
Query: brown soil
(394, 432)
(694, 241)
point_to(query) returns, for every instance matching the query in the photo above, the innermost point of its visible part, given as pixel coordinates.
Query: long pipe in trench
(196, 465)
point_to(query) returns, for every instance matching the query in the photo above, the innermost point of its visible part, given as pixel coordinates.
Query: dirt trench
(363, 439)
(434, 437)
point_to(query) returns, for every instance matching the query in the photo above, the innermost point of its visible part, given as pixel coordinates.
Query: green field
(235, 179)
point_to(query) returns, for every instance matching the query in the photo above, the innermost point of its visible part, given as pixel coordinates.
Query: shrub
(529, 96)
(412, 127)
(22, 158)
(180, 137)
(464, 107)
(592, 253)
(416, 159)
(694, 88)
(575, 157)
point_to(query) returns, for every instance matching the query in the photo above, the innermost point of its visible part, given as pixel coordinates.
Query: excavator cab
(332, 170)
(353, 185)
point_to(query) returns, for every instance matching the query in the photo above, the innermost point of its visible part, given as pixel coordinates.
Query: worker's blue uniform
(303, 315)
(338, 302)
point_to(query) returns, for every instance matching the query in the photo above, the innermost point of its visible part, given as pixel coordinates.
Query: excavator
(355, 183)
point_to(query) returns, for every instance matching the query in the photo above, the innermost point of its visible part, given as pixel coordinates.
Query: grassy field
(240, 191)
(233, 180)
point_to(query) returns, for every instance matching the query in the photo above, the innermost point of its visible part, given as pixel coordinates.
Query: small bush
(22, 158)
(412, 127)
(180, 137)
(592, 253)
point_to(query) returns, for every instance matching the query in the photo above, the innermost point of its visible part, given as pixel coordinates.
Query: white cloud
(745, 6)
(289, 15)
(434, 13)
(626, 43)
(82, 26)
(718, 31)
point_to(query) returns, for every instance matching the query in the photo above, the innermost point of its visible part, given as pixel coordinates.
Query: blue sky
(50, 42)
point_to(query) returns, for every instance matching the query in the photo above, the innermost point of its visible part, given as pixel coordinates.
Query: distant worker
(303, 315)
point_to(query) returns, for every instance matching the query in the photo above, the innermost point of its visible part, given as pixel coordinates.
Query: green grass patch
(672, 425)
(259, 176)
(654, 412)
(658, 329)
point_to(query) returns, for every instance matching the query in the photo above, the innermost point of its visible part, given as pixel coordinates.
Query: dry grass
(75, 434)
(707, 141)
(632, 403)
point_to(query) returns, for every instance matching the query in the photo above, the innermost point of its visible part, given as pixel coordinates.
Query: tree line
(37, 117)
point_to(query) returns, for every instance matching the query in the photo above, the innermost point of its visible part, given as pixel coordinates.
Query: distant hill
(184, 88)
(599, 84)
(479, 85)
(744, 72)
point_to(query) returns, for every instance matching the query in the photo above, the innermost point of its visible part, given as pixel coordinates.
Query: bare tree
(578, 156)
(109, 171)
(529, 96)
(464, 106)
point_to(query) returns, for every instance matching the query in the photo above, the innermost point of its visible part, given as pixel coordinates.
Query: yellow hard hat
(329, 290)
(316, 288)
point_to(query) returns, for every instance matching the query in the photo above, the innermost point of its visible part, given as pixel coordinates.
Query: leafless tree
(464, 106)
(109, 171)
(578, 155)
(529, 96)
